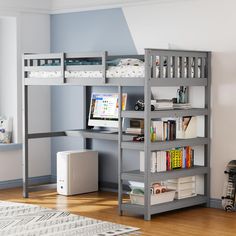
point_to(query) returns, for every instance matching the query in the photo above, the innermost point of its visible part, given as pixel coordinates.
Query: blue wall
(100, 30)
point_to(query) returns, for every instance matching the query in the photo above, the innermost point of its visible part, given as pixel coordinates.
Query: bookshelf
(202, 79)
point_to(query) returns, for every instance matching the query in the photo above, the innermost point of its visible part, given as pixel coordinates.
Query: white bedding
(112, 72)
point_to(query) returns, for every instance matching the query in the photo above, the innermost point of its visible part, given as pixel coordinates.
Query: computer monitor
(104, 109)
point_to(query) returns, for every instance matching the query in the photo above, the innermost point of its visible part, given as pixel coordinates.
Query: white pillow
(5, 130)
(130, 62)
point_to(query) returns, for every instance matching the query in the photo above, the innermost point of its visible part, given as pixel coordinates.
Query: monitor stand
(105, 130)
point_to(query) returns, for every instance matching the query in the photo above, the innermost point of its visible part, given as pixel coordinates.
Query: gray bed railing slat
(161, 65)
(104, 66)
(196, 67)
(63, 67)
(189, 68)
(182, 67)
(176, 67)
(169, 67)
(202, 67)
(154, 67)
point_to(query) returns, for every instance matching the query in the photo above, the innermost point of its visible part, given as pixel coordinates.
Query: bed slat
(189, 68)
(196, 67)
(176, 67)
(154, 67)
(168, 67)
(202, 67)
(182, 67)
(161, 67)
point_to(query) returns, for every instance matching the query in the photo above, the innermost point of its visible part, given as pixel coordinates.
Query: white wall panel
(8, 70)
(33, 35)
(200, 25)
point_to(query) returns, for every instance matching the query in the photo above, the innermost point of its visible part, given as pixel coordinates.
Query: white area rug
(29, 220)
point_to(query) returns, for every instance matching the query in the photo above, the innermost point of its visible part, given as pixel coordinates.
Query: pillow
(130, 62)
(114, 62)
(5, 130)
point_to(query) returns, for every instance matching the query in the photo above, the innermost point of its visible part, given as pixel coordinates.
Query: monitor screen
(104, 109)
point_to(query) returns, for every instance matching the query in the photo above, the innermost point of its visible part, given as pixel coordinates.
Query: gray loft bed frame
(181, 67)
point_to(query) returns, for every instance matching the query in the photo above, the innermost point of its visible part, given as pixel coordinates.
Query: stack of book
(158, 162)
(182, 106)
(162, 104)
(169, 160)
(163, 130)
(180, 158)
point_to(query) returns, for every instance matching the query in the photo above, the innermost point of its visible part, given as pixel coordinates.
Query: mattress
(112, 72)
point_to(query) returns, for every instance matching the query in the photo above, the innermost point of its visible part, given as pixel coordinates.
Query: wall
(84, 32)
(33, 35)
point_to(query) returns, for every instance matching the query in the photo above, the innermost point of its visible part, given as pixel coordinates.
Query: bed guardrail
(49, 67)
(177, 64)
(96, 61)
(55, 68)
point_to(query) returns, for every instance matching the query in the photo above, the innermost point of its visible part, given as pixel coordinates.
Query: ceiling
(61, 6)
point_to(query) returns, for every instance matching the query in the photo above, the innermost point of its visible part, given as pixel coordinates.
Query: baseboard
(216, 203)
(53, 178)
(112, 187)
(103, 185)
(32, 181)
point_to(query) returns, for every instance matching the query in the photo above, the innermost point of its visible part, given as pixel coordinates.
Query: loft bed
(157, 67)
(161, 66)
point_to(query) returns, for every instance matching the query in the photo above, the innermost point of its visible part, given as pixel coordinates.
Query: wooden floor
(103, 205)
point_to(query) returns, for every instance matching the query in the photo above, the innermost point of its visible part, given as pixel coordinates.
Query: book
(134, 131)
(179, 128)
(141, 161)
(158, 130)
(158, 161)
(163, 160)
(153, 167)
(190, 127)
(153, 162)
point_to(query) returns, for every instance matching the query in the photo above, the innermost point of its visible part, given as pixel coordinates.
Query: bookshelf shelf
(138, 176)
(164, 145)
(163, 207)
(166, 113)
(170, 82)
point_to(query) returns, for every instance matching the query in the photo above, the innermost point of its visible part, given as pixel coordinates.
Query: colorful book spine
(169, 159)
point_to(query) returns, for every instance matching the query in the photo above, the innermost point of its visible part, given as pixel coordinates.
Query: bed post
(147, 141)
(120, 158)
(25, 133)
